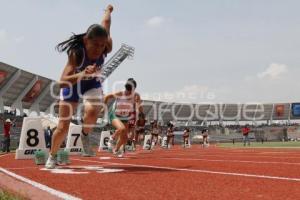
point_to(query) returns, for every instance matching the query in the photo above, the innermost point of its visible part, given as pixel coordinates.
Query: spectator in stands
(246, 131)
(7, 124)
(48, 136)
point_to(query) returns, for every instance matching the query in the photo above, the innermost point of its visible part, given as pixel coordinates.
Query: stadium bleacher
(26, 93)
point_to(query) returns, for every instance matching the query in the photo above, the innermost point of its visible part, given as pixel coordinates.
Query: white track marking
(250, 156)
(236, 161)
(40, 186)
(260, 148)
(63, 171)
(83, 170)
(198, 171)
(241, 153)
(16, 168)
(105, 158)
(220, 154)
(279, 152)
(3, 155)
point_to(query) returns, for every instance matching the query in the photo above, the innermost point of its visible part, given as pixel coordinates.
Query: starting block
(40, 157)
(63, 157)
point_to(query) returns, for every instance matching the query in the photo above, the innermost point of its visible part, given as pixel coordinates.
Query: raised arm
(106, 22)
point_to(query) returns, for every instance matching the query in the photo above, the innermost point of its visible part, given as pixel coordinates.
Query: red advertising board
(33, 92)
(2, 76)
(279, 110)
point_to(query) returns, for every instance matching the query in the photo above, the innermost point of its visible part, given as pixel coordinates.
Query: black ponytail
(76, 41)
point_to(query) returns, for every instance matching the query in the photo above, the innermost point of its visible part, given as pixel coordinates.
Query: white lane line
(279, 152)
(255, 153)
(105, 158)
(237, 161)
(198, 170)
(258, 154)
(244, 156)
(2, 155)
(40, 186)
(15, 168)
(260, 148)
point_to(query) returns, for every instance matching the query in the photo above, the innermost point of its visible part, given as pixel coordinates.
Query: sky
(193, 51)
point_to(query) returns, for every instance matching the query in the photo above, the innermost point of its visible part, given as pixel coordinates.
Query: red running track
(195, 173)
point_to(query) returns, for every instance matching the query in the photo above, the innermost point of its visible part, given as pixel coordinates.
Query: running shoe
(51, 162)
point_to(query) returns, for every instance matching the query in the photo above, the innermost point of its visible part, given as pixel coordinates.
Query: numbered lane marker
(103, 146)
(32, 138)
(74, 144)
(147, 142)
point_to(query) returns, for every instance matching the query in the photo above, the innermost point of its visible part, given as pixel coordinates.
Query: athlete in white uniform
(127, 105)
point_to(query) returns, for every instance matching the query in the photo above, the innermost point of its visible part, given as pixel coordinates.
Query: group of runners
(81, 79)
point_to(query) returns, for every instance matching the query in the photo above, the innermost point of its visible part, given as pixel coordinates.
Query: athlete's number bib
(124, 109)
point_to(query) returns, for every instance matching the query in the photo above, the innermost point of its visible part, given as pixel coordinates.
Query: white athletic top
(125, 105)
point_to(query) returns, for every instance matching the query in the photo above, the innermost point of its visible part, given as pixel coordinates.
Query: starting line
(197, 170)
